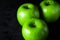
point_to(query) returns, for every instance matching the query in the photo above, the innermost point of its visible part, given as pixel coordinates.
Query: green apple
(50, 10)
(59, 10)
(35, 29)
(48, 0)
(26, 11)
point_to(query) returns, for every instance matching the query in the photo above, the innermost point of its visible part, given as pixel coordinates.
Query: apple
(35, 29)
(59, 10)
(48, 0)
(26, 11)
(50, 10)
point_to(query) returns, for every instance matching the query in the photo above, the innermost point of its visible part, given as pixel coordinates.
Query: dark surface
(9, 26)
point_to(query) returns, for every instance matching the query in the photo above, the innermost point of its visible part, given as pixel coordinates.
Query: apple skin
(48, 0)
(26, 11)
(35, 29)
(50, 10)
(59, 10)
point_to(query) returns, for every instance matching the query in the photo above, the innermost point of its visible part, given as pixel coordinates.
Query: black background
(9, 26)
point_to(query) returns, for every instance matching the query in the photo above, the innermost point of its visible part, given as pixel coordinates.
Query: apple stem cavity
(47, 3)
(26, 7)
(32, 25)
